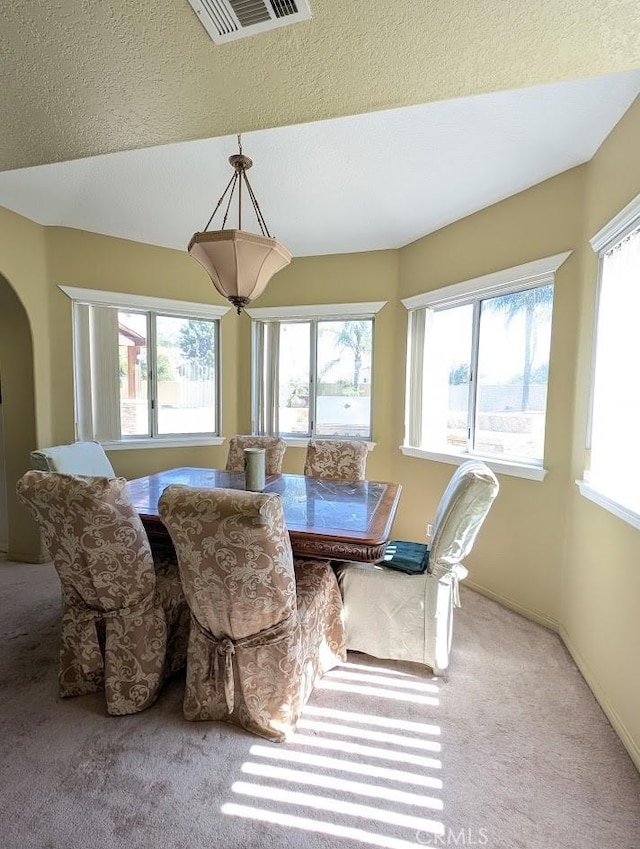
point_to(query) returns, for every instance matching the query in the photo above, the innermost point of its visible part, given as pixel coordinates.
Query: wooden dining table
(326, 518)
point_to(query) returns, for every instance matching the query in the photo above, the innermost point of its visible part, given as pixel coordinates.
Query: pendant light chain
(206, 226)
(226, 212)
(256, 207)
(240, 164)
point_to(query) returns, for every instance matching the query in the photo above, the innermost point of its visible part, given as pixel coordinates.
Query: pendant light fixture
(240, 264)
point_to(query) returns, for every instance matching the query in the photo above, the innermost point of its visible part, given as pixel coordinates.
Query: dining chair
(77, 458)
(124, 627)
(265, 627)
(273, 445)
(404, 610)
(345, 459)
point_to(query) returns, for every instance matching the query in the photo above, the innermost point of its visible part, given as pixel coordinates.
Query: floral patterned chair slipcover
(124, 627)
(264, 627)
(336, 458)
(389, 614)
(275, 448)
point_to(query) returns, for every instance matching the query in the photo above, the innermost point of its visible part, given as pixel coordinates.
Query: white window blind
(415, 377)
(266, 389)
(615, 463)
(96, 362)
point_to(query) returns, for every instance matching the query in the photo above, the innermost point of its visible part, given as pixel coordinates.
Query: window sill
(619, 510)
(169, 442)
(500, 467)
(302, 442)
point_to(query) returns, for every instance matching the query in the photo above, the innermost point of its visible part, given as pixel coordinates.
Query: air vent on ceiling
(226, 20)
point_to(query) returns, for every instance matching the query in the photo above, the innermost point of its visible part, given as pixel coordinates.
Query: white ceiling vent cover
(227, 20)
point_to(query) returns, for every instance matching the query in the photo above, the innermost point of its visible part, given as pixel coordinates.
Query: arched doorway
(4, 517)
(18, 432)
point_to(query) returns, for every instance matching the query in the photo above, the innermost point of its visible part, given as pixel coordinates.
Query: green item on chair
(409, 557)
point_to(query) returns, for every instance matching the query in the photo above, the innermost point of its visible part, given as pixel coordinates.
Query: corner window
(613, 463)
(313, 371)
(478, 363)
(145, 369)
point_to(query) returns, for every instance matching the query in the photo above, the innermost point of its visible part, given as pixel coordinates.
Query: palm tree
(355, 336)
(535, 304)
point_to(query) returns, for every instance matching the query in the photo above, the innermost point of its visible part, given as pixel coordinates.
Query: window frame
(615, 231)
(151, 307)
(507, 281)
(304, 313)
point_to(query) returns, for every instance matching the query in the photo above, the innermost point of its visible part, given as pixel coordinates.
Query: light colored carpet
(511, 752)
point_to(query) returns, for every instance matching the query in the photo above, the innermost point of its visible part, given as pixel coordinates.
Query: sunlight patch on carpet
(339, 806)
(353, 767)
(378, 670)
(369, 719)
(342, 785)
(323, 827)
(357, 689)
(361, 775)
(365, 751)
(368, 734)
(401, 683)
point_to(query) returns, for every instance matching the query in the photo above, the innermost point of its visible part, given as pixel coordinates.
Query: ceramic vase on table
(254, 469)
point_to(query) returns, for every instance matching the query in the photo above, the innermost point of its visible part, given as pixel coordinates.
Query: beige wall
(519, 554)
(24, 365)
(539, 535)
(601, 587)
(23, 263)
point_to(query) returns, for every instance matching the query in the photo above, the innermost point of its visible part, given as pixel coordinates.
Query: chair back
(234, 555)
(273, 445)
(462, 510)
(344, 459)
(94, 535)
(78, 458)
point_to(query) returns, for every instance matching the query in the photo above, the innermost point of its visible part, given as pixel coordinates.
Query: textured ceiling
(81, 77)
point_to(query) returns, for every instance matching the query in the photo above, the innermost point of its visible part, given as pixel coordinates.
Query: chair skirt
(389, 614)
(272, 675)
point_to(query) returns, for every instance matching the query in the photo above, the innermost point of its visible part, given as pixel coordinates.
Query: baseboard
(534, 615)
(33, 559)
(632, 747)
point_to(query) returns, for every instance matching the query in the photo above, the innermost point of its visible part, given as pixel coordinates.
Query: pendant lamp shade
(240, 264)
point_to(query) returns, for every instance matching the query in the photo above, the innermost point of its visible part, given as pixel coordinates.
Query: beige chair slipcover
(78, 458)
(389, 614)
(336, 458)
(273, 445)
(124, 628)
(264, 627)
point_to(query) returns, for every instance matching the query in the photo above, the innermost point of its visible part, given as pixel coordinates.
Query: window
(312, 370)
(477, 367)
(146, 369)
(614, 465)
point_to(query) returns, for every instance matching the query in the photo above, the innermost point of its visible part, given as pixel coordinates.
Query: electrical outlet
(429, 529)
